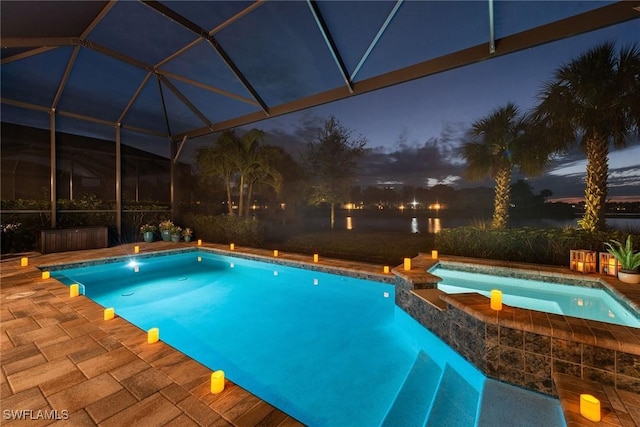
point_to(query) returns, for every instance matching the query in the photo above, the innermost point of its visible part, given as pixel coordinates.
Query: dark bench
(73, 239)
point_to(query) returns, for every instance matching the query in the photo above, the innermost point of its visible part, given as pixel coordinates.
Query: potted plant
(628, 258)
(175, 233)
(147, 231)
(187, 233)
(165, 229)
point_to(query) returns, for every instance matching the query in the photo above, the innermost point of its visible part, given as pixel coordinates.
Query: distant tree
(242, 159)
(545, 194)
(332, 160)
(264, 172)
(216, 162)
(497, 144)
(594, 99)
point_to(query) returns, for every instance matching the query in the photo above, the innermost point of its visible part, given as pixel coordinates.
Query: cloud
(437, 160)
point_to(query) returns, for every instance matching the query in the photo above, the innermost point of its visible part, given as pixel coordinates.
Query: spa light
(217, 381)
(153, 335)
(496, 300)
(590, 407)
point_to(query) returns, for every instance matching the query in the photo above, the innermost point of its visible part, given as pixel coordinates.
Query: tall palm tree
(246, 158)
(263, 173)
(216, 161)
(593, 100)
(496, 145)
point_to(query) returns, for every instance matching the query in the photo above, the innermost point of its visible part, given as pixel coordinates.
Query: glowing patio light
(407, 264)
(316, 258)
(275, 252)
(46, 274)
(217, 381)
(109, 313)
(496, 300)
(136, 249)
(74, 290)
(153, 335)
(385, 269)
(199, 242)
(24, 261)
(232, 246)
(590, 407)
(434, 254)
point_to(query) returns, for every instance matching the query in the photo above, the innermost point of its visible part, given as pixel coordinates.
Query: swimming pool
(557, 298)
(329, 350)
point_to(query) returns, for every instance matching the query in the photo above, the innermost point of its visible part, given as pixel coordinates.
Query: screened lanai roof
(188, 68)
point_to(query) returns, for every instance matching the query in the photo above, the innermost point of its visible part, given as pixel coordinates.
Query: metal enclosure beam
(53, 166)
(118, 182)
(612, 14)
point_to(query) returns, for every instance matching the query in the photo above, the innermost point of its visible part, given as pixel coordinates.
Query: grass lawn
(386, 248)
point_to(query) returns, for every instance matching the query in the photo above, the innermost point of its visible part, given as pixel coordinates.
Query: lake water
(427, 224)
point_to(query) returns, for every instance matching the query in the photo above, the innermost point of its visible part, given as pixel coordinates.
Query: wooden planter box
(73, 239)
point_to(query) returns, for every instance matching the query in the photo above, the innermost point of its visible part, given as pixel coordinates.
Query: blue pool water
(327, 349)
(557, 298)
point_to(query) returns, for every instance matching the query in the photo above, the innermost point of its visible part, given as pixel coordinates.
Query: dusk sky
(413, 128)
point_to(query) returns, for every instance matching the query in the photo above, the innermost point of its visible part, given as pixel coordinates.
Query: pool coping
(49, 319)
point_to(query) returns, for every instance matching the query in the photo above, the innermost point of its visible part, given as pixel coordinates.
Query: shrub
(227, 229)
(534, 245)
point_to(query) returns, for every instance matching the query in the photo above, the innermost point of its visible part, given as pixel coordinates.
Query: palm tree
(263, 172)
(593, 100)
(496, 145)
(216, 161)
(246, 159)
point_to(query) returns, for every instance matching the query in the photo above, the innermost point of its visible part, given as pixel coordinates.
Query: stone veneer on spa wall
(519, 346)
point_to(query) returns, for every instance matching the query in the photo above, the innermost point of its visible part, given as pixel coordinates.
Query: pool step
(431, 397)
(413, 402)
(502, 401)
(456, 402)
